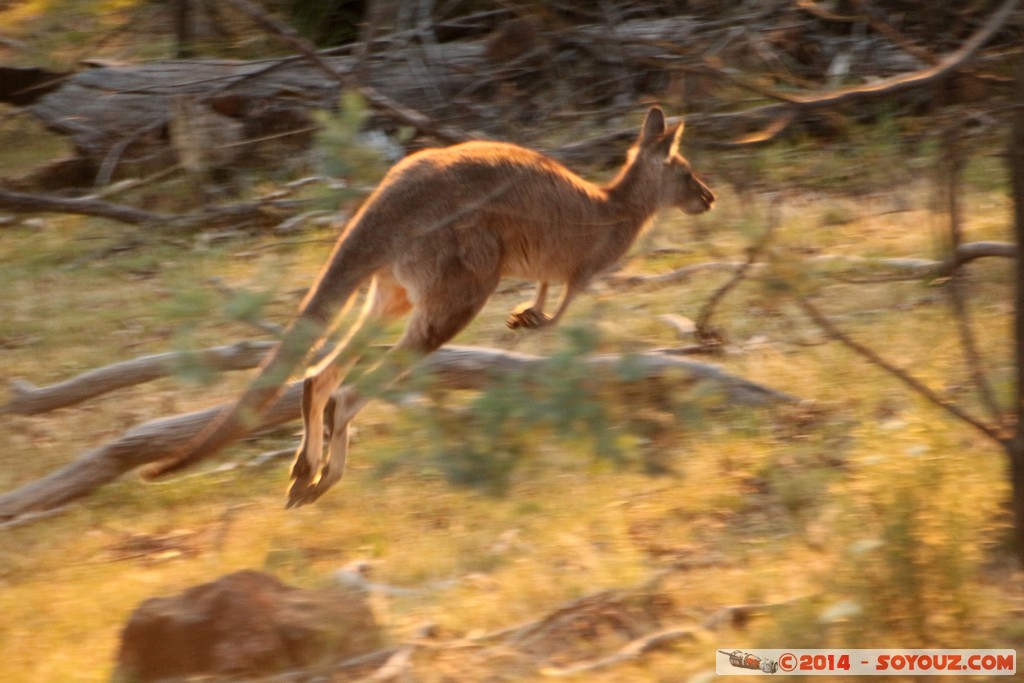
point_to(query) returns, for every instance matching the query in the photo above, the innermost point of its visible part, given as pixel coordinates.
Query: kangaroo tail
(346, 270)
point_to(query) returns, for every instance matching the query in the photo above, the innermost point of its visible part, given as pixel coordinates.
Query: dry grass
(873, 502)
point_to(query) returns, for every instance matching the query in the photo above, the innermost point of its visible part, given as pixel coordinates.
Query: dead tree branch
(941, 69)
(21, 202)
(683, 274)
(582, 613)
(882, 24)
(881, 89)
(970, 251)
(27, 399)
(629, 652)
(396, 110)
(457, 367)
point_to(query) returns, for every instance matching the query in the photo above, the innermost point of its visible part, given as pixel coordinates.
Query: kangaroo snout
(699, 199)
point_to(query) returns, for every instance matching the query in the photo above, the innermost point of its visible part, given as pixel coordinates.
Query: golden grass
(877, 499)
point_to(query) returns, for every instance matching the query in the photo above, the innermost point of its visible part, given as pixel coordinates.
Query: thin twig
(945, 66)
(908, 268)
(705, 334)
(133, 184)
(923, 390)
(630, 651)
(886, 87)
(273, 329)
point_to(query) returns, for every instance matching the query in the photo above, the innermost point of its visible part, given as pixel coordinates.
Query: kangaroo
(434, 239)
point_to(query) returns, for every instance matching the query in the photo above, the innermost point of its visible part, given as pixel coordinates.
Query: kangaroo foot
(301, 471)
(306, 490)
(301, 476)
(528, 318)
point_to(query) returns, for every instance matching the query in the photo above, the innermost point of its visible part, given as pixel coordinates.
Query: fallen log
(22, 202)
(269, 209)
(27, 399)
(457, 367)
(119, 117)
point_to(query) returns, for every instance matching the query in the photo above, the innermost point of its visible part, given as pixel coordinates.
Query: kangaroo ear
(677, 135)
(654, 126)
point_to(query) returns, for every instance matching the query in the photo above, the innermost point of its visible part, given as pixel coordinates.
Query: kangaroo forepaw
(528, 318)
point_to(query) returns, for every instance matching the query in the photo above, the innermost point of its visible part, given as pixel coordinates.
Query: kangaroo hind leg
(385, 301)
(440, 311)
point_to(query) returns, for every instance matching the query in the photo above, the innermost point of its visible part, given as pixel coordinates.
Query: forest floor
(863, 518)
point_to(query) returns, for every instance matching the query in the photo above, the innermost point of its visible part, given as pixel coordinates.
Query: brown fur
(434, 239)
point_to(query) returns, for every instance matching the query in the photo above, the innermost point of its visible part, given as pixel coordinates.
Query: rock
(243, 624)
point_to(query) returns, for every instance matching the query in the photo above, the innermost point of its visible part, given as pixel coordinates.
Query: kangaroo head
(680, 186)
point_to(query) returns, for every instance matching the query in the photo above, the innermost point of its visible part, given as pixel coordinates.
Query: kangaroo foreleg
(533, 316)
(530, 315)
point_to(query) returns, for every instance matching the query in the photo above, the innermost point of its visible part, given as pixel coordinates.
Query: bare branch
(378, 99)
(969, 251)
(942, 68)
(629, 652)
(683, 274)
(21, 202)
(27, 399)
(882, 24)
(923, 390)
(705, 334)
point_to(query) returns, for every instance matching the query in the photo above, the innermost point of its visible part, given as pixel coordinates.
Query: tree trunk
(1015, 451)
(1015, 446)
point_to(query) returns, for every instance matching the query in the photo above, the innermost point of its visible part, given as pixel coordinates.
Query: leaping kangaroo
(434, 239)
